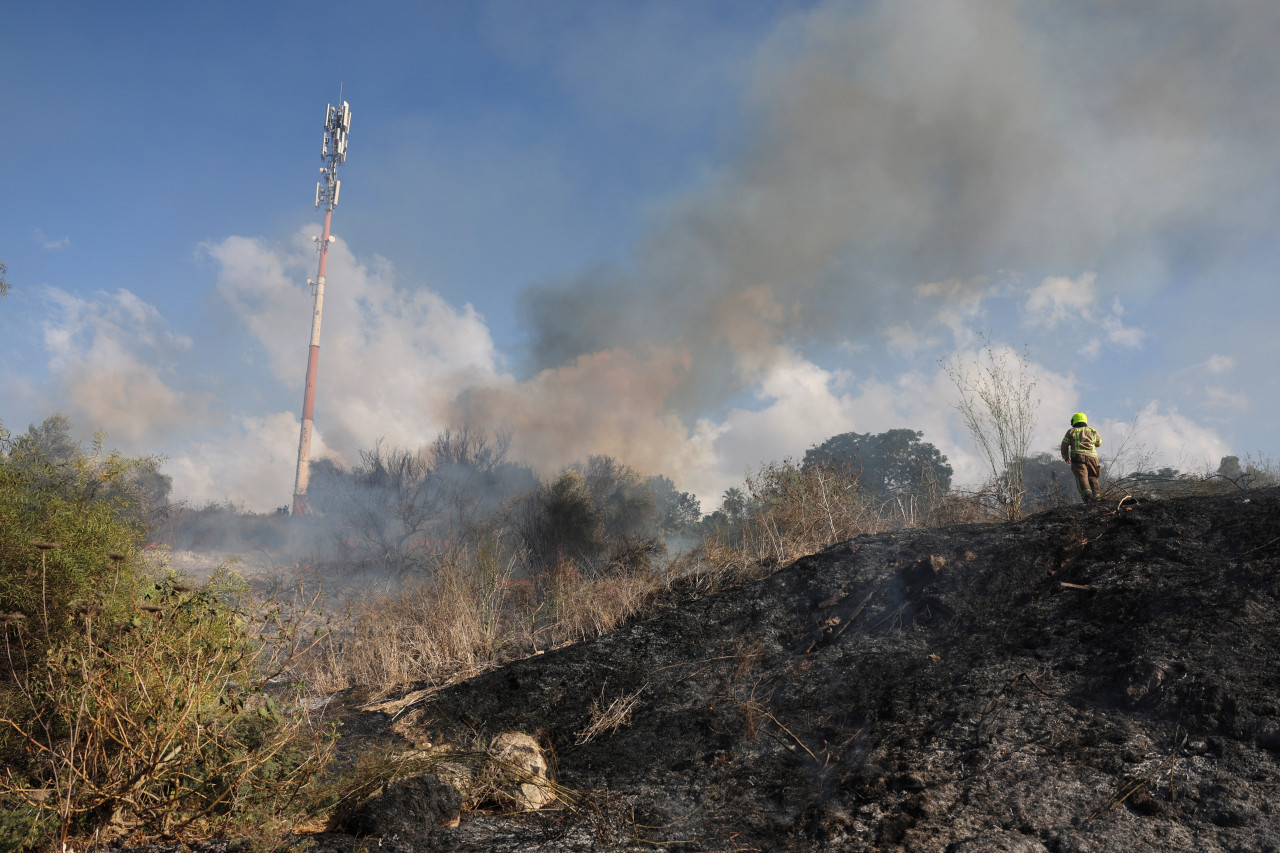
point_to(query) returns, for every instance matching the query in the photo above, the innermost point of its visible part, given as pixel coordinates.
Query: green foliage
(159, 720)
(677, 513)
(19, 827)
(726, 524)
(61, 515)
(622, 500)
(127, 699)
(893, 461)
(562, 522)
(601, 514)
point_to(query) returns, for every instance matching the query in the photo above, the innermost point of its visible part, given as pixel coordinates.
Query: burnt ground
(1088, 679)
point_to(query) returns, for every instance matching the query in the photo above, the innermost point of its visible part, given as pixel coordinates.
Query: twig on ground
(1133, 787)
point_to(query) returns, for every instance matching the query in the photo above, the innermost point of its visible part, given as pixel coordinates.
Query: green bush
(129, 699)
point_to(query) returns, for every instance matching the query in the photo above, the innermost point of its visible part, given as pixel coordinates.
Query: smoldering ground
(1056, 684)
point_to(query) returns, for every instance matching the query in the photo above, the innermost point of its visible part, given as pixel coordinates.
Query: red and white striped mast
(337, 124)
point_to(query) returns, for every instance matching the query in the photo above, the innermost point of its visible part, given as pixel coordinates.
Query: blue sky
(696, 236)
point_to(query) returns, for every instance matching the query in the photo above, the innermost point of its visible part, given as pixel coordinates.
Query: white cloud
(955, 303)
(50, 244)
(1118, 333)
(1073, 302)
(1059, 298)
(1217, 364)
(1222, 400)
(1160, 436)
(903, 338)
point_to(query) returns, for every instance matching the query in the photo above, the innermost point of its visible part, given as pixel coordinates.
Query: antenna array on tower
(337, 124)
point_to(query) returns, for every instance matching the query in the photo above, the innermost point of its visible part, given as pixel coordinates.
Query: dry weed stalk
(472, 614)
(797, 510)
(441, 630)
(609, 718)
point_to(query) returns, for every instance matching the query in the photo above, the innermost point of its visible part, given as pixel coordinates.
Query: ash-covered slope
(975, 688)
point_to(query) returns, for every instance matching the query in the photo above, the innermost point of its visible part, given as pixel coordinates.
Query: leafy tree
(49, 443)
(561, 522)
(1247, 476)
(60, 518)
(598, 514)
(734, 504)
(677, 513)
(50, 458)
(624, 502)
(1048, 482)
(894, 461)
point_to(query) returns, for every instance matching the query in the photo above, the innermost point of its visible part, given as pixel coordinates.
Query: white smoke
(113, 361)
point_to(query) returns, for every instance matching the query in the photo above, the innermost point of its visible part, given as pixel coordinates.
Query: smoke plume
(911, 172)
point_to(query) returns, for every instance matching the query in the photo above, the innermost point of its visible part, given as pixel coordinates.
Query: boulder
(413, 807)
(517, 774)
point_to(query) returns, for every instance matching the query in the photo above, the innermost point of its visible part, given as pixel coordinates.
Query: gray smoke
(904, 143)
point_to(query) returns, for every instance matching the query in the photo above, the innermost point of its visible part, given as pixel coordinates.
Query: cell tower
(337, 124)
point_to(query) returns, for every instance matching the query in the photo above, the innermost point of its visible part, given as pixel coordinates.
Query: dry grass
(480, 609)
(611, 717)
(443, 630)
(468, 618)
(581, 607)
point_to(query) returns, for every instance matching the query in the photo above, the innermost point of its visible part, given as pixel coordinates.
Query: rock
(413, 806)
(1149, 678)
(518, 772)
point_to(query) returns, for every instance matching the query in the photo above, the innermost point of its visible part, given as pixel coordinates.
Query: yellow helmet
(1078, 418)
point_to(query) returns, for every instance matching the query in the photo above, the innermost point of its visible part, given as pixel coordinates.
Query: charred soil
(1092, 678)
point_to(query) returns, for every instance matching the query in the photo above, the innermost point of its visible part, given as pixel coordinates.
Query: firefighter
(1080, 448)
